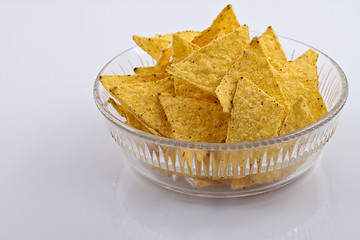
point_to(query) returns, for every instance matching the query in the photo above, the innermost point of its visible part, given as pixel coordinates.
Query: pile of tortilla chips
(218, 86)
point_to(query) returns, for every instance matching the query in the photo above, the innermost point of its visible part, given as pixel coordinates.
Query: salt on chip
(152, 45)
(255, 115)
(206, 67)
(298, 117)
(195, 120)
(253, 64)
(182, 48)
(185, 89)
(141, 99)
(131, 120)
(208, 36)
(273, 48)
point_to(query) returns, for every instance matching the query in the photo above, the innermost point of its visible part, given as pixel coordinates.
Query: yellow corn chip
(188, 90)
(208, 36)
(298, 117)
(195, 120)
(131, 120)
(254, 115)
(149, 70)
(153, 46)
(164, 58)
(187, 35)
(273, 49)
(253, 64)
(141, 99)
(205, 67)
(226, 20)
(109, 81)
(181, 48)
(306, 64)
(296, 80)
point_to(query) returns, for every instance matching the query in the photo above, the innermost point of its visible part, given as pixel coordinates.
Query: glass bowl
(225, 169)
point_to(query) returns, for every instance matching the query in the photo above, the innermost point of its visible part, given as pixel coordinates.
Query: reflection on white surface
(157, 212)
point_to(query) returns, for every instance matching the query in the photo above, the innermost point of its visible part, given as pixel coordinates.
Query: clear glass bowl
(225, 169)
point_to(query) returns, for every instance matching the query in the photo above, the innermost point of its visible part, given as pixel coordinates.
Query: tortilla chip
(255, 115)
(208, 36)
(181, 48)
(149, 70)
(298, 117)
(306, 64)
(109, 81)
(164, 59)
(273, 49)
(226, 20)
(131, 120)
(141, 99)
(152, 45)
(203, 182)
(253, 65)
(188, 90)
(187, 35)
(206, 67)
(296, 81)
(195, 120)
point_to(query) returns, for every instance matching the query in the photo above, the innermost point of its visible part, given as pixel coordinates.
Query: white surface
(62, 175)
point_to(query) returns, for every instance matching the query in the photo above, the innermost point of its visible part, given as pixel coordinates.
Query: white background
(63, 177)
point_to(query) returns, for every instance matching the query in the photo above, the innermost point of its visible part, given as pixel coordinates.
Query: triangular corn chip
(296, 81)
(208, 36)
(149, 70)
(253, 64)
(153, 46)
(195, 120)
(273, 48)
(298, 117)
(254, 115)
(226, 20)
(206, 67)
(141, 99)
(181, 48)
(306, 65)
(188, 35)
(109, 81)
(188, 90)
(131, 120)
(164, 58)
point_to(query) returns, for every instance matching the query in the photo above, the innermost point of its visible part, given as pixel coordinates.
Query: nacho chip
(273, 49)
(296, 81)
(153, 46)
(164, 59)
(187, 35)
(226, 20)
(149, 70)
(205, 67)
(181, 48)
(185, 89)
(141, 99)
(306, 64)
(298, 117)
(109, 81)
(195, 120)
(131, 120)
(253, 65)
(255, 115)
(208, 36)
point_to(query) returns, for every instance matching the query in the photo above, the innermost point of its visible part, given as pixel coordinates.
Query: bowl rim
(226, 146)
